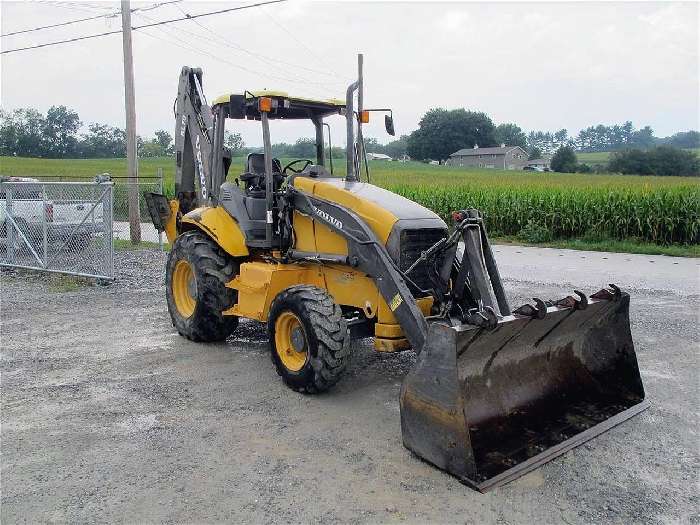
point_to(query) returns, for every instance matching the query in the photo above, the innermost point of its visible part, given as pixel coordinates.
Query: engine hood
(381, 209)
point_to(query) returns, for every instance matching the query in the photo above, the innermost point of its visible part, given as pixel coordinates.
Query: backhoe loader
(324, 259)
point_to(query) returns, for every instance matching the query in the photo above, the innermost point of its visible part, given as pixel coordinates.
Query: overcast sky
(544, 66)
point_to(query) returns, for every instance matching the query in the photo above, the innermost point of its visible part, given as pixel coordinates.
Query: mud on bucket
(489, 406)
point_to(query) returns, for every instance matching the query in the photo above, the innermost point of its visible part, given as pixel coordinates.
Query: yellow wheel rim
(184, 287)
(290, 341)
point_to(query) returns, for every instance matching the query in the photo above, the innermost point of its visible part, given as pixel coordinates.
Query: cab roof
(286, 106)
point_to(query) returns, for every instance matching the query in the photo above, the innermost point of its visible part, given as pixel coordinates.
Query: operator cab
(254, 203)
(246, 198)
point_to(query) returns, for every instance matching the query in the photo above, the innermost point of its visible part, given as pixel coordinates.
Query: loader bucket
(490, 405)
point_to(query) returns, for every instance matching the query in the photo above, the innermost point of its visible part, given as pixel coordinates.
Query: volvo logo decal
(329, 218)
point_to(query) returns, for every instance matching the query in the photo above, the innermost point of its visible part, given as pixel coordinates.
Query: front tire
(195, 281)
(308, 339)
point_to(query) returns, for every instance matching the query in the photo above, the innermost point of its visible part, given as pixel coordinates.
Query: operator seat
(255, 164)
(254, 180)
(254, 176)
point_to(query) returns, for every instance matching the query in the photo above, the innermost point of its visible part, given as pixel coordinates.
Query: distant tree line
(441, 132)
(663, 160)
(659, 160)
(26, 132)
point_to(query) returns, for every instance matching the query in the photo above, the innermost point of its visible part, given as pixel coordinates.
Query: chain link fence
(77, 230)
(58, 227)
(121, 226)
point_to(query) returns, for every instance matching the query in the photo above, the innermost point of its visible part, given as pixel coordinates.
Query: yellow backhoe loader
(322, 260)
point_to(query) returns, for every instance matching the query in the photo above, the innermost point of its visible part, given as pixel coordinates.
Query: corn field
(661, 210)
(660, 215)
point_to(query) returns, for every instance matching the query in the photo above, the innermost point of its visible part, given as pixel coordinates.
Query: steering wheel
(289, 167)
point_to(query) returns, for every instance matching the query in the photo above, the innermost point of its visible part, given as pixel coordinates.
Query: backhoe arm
(194, 137)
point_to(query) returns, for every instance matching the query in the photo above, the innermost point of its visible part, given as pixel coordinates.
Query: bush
(564, 160)
(662, 161)
(584, 168)
(534, 233)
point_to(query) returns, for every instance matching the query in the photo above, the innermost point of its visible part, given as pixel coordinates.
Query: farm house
(502, 157)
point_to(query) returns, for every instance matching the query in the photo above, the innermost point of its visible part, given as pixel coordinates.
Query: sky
(543, 66)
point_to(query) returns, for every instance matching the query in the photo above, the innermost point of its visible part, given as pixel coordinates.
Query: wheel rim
(184, 287)
(290, 341)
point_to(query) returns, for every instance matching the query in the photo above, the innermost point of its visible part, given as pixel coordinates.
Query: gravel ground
(108, 415)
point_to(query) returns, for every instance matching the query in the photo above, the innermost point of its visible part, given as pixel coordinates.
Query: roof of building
(286, 105)
(378, 155)
(469, 152)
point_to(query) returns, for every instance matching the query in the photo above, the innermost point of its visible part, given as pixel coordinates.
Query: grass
(383, 173)
(124, 245)
(64, 283)
(77, 169)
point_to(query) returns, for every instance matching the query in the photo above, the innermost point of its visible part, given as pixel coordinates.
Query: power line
(64, 5)
(108, 15)
(134, 28)
(259, 56)
(189, 47)
(54, 25)
(302, 44)
(76, 39)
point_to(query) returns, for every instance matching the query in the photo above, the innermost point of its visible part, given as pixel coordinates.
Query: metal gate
(61, 227)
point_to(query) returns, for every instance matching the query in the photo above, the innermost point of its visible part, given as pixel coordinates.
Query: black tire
(326, 338)
(212, 268)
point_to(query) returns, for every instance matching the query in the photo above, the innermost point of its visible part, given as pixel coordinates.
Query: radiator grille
(413, 242)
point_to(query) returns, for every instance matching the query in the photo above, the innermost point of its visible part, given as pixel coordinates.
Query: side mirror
(389, 124)
(237, 106)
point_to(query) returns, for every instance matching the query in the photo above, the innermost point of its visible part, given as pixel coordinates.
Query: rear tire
(309, 340)
(196, 274)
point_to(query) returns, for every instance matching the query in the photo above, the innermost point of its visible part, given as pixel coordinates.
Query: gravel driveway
(109, 415)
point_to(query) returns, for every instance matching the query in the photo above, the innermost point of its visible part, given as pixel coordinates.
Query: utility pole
(132, 161)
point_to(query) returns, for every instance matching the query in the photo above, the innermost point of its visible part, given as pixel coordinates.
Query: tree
(397, 148)
(103, 141)
(152, 148)
(684, 139)
(510, 135)
(626, 132)
(303, 148)
(21, 132)
(372, 145)
(561, 138)
(165, 142)
(8, 134)
(643, 138)
(564, 160)
(441, 132)
(661, 160)
(541, 140)
(59, 132)
(234, 142)
(534, 153)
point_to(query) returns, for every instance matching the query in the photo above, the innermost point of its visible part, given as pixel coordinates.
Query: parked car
(533, 168)
(30, 211)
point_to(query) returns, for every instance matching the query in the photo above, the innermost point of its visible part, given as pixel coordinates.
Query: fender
(220, 226)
